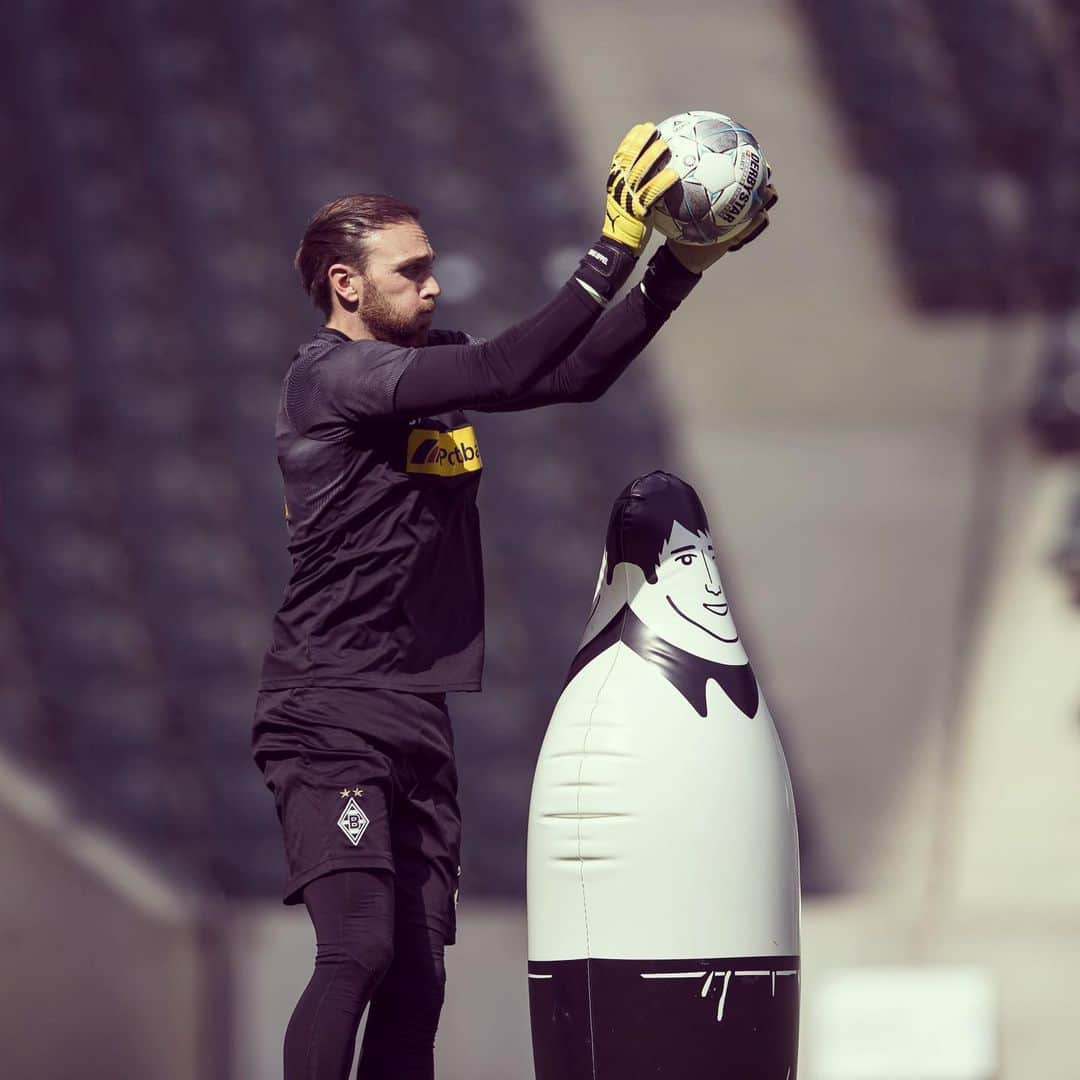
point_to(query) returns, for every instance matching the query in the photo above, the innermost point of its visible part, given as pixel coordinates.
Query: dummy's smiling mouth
(718, 609)
(683, 615)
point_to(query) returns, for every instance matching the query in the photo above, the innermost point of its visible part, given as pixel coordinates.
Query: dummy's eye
(686, 559)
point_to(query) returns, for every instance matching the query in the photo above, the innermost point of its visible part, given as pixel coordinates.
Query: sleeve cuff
(667, 283)
(604, 269)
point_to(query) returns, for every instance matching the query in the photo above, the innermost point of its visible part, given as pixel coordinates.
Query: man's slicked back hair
(338, 233)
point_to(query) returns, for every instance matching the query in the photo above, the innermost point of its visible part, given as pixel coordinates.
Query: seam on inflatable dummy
(581, 861)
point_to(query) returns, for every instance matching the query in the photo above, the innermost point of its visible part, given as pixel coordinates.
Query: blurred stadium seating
(171, 153)
(965, 114)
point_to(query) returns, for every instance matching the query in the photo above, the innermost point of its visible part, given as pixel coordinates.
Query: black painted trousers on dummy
(362, 958)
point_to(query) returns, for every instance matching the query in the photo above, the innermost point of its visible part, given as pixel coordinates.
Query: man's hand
(697, 258)
(629, 194)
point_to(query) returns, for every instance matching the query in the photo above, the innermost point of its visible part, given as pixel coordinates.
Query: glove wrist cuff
(604, 268)
(667, 283)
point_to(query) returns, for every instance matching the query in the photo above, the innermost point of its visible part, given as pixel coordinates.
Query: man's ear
(346, 284)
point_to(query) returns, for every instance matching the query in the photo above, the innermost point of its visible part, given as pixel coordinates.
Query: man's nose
(431, 288)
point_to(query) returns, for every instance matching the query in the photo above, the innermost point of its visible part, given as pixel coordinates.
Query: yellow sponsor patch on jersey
(443, 453)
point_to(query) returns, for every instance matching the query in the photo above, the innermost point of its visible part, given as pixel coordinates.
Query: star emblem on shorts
(358, 791)
(345, 793)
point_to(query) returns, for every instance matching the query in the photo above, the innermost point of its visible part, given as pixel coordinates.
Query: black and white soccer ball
(722, 176)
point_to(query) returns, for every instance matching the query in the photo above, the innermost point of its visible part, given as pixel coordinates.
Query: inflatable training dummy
(663, 876)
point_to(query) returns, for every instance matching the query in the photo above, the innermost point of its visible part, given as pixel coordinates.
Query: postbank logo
(443, 453)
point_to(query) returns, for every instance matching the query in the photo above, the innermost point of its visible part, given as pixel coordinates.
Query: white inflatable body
(663, 879)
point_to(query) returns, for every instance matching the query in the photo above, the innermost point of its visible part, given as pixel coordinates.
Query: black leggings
(362, 957)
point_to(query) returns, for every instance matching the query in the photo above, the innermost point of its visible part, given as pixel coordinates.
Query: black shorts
(365, 778)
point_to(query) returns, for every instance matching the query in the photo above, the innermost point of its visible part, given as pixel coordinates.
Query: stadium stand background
(167, 157)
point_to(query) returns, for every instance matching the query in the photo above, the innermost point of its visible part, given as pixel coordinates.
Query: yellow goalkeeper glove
(629, 193)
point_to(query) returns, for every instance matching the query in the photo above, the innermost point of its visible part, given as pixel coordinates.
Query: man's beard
(386, 323)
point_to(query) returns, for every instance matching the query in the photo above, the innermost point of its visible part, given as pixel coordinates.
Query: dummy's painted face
(687, 606)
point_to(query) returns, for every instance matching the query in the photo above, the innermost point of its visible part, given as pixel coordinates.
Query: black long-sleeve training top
(381, 469)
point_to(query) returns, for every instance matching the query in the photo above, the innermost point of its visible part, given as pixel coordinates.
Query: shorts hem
(295, 885)
(448, 930)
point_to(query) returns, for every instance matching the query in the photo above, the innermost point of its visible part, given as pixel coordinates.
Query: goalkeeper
(383, 614)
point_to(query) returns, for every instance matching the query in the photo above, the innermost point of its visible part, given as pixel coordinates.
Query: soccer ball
(722, 174)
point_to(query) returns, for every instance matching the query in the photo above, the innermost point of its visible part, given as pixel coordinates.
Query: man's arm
(624, 331)
(611, 345)
(362, 380)
(489, 374)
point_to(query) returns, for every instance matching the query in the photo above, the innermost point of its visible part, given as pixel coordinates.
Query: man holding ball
(383, 614)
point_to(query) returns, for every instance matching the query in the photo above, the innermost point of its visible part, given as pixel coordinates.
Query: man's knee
(369, 953)
(353, 913)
